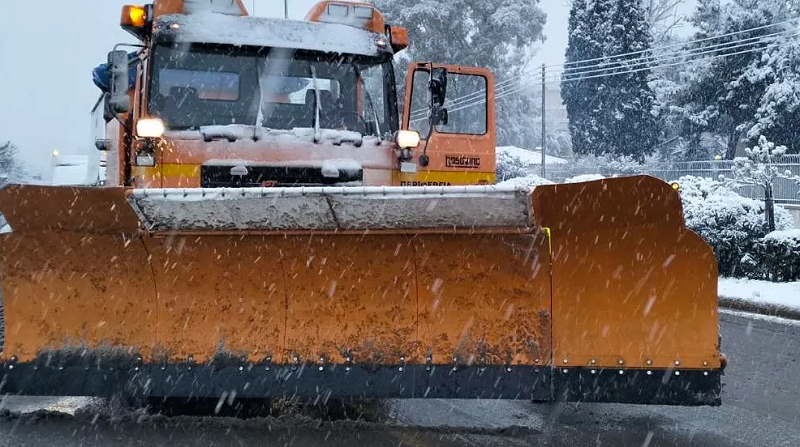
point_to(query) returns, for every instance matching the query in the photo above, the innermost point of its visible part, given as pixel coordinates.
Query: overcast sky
(46, 59)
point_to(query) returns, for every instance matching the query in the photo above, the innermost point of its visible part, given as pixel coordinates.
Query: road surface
(761, 408)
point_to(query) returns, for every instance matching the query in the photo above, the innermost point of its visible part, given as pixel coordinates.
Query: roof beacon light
(134, 16)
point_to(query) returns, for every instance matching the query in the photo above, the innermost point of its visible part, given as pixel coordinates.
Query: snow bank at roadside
(528, 181)
(584, 178)
(529, 157)
(779, 294)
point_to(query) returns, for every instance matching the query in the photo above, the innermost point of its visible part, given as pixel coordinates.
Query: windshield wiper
(260, 114)
(374, 113)
(317, 136)
(369, 100)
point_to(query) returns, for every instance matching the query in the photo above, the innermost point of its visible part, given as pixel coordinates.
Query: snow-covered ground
(782, 294)
(527, 181)
(529, 157)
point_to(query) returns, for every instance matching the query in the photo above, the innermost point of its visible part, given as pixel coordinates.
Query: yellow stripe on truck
(174, 170)
(442, 178)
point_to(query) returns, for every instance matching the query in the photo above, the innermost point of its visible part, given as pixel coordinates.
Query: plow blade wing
(573, 292)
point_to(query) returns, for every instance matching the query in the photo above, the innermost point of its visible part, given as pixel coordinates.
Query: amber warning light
(135, 16)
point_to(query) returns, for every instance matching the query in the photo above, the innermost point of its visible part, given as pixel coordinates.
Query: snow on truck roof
(270, 32)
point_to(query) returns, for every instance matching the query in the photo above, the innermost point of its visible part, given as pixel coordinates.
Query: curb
(773, 310)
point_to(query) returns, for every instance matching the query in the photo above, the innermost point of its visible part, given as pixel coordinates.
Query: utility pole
(544, 127)
(286, 8)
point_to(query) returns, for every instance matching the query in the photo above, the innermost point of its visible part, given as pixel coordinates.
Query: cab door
(457, 131)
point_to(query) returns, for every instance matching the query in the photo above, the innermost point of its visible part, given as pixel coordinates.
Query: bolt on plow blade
(584, 292)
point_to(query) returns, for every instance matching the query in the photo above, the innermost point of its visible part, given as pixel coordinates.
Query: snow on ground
(784, 294)
(529, 157)
(584, 178)
(528, 181)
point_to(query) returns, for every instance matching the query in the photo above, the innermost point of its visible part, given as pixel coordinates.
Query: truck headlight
(150, 127)
(406, 138)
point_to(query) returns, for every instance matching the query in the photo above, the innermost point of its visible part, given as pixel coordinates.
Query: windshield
(195, 86)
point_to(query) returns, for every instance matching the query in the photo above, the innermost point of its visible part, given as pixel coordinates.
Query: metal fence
(785, 190)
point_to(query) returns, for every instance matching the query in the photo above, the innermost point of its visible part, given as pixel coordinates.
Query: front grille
(277, 176)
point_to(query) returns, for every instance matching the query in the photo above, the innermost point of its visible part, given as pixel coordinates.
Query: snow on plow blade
(349, 208)
(583, 292)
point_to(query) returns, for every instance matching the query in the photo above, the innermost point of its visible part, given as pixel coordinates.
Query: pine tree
(742, 96)
(609, 114)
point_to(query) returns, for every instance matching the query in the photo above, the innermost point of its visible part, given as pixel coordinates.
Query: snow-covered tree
(759, 169)
(747, 85)
(496, 34)
(663, 17)
(733, 225)
(10, 167)
(609, 114)
(779, 106)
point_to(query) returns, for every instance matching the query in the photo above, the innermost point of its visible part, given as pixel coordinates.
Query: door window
(465, 102)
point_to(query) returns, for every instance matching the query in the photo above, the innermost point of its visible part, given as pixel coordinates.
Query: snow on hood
(269, 32)
(244, 132)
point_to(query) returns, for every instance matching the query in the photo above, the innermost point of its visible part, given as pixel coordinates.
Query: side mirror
(438, 86)
(439, 116)
(119, 101)
(102, 144)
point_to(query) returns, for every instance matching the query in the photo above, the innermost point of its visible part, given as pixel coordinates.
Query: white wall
(794, 210)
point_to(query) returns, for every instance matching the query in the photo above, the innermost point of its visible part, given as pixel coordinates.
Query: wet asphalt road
(761, 407)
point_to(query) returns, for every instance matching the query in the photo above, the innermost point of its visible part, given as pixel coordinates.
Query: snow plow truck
(275, 223)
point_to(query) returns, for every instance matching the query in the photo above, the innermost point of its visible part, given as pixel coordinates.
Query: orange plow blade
(592, 292)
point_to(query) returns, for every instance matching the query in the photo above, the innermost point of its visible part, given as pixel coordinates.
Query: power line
(673, 64)
(644, 60)
(634, 71)
(569, 76)
(505, 93)
(679, 44)
(676, 55)
(720, 46)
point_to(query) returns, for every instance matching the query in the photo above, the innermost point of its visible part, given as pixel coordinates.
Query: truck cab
(212, 97)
